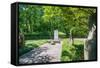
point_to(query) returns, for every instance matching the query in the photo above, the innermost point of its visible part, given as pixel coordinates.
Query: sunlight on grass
(37, 42)
(31, 44)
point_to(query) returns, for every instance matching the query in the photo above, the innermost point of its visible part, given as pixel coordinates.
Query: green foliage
(37, 19)
(74, 52)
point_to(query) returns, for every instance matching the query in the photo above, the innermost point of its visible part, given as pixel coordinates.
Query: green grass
(72, 52)
(37, 42)
(31, 44)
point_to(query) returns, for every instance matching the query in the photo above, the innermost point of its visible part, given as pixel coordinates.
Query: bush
(72, 52)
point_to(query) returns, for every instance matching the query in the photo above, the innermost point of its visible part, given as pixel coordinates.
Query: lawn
(31, 44)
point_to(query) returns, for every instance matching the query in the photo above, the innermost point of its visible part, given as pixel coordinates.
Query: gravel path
(45, 53)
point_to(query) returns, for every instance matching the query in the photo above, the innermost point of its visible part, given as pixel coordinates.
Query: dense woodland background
(42, 20)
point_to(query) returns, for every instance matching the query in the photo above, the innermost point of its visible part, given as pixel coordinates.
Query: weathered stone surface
(46, 53)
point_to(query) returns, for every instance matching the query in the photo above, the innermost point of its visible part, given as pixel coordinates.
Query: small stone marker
(56, 37)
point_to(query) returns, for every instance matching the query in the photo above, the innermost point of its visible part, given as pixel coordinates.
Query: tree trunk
(21, 40)
(71, 40)
(90, 46)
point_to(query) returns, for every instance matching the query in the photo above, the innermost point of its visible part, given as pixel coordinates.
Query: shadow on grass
(74, 53)
(66, 53)
(27, 48)
(66, 56)
(79, 52)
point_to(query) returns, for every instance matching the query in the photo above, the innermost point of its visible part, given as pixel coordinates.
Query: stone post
(55, 35)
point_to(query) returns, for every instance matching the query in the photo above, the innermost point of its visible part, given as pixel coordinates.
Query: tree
(35, 19)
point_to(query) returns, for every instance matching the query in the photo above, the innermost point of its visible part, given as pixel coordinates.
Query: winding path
(45, 53)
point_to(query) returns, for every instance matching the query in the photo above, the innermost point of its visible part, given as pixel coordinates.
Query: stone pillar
(56, 35)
